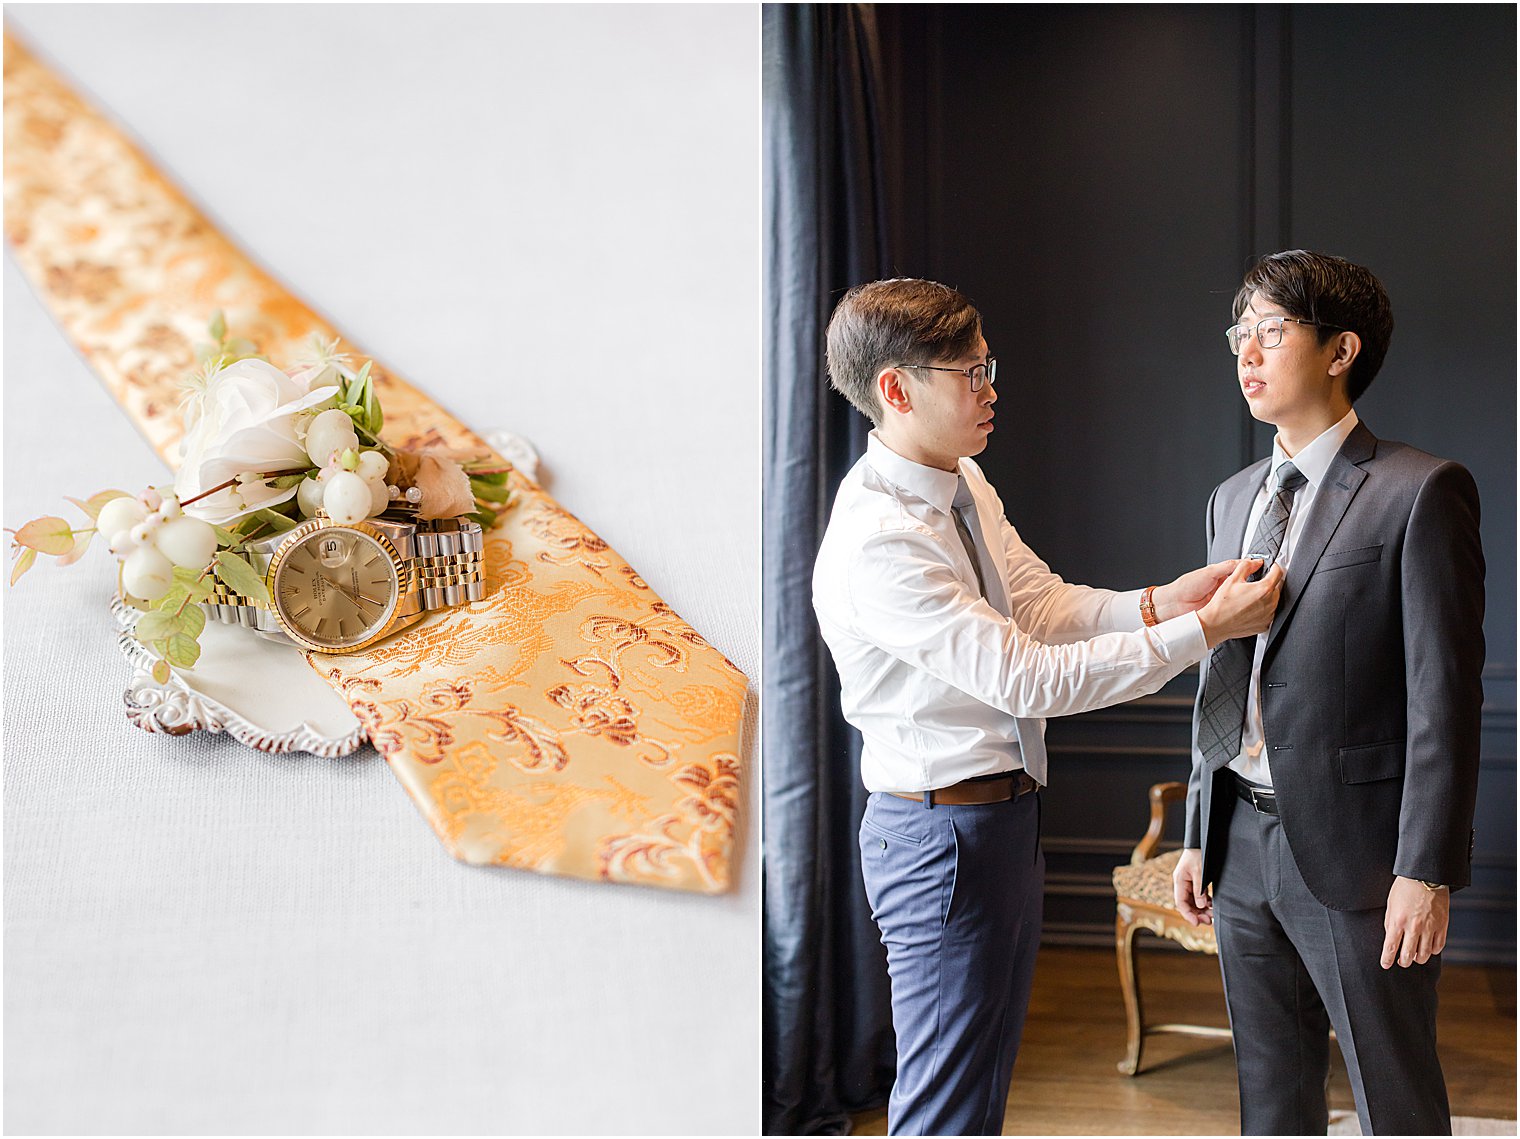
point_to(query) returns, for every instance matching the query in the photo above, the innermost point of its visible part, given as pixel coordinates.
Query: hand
(1188, 890)
(1191, 591)
(1241, 608)
(1415, 923)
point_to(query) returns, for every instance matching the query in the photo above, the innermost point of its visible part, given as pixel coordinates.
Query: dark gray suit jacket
(1370, 689)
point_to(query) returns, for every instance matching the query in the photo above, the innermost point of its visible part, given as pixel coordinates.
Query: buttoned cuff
(1182, 639)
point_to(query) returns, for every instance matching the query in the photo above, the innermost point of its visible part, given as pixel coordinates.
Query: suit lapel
(1233, 510)
(1331, 500)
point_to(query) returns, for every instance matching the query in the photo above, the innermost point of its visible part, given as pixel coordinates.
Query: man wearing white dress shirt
(953, 642)
(1335, 762)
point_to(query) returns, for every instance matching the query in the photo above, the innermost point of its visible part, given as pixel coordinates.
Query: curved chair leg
(1124, 945)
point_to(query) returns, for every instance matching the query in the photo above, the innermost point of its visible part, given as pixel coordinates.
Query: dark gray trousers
(1294, 968)
(958, 894)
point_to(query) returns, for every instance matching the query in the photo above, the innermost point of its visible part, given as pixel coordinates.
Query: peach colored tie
(569, 722)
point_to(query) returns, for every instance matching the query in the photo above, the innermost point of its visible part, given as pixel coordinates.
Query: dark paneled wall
(1097, 179)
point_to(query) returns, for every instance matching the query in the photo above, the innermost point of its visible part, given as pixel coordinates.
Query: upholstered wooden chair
(1144, 890)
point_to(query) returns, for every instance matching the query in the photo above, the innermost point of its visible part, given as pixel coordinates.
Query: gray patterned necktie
(1221, 721)
(970, 543)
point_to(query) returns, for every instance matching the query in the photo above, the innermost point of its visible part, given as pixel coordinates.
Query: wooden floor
(1066, 1082)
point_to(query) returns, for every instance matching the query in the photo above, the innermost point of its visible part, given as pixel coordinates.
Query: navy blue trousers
(958, 894)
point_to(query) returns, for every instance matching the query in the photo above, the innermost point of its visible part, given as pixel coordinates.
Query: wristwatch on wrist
(1148, 606)
(339, 588)
(1431, 886)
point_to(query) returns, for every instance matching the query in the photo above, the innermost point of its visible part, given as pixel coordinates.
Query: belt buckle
(1258, 795)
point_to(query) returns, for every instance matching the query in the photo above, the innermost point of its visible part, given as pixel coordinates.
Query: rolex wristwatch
(339, 588)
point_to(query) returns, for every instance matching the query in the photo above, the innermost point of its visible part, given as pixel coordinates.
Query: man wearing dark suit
(1335, 757)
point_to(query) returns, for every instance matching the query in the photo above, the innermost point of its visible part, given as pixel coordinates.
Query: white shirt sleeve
(1056, 611)
(908, 600)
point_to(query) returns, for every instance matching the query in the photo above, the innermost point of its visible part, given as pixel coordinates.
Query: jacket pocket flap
(1367, 763)
(1337, 559)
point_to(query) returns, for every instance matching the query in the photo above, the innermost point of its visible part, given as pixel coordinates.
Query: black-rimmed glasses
(1268, 331)
(978, 374)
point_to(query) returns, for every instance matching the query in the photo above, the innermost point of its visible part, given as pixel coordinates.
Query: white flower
(323, 364)
(247, 424)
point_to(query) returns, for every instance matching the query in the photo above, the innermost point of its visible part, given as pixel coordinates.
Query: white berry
(346, 498)
(187, 542)
(309, 497)
(120, 514)
(147, 573)
(373, 466)
(330, 432)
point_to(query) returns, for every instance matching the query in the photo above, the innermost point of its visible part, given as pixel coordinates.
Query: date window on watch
(333, 551)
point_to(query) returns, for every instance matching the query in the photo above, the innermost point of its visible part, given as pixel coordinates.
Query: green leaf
(161, 671)
(371, 405)
(196, 587)
(376, 419)
(154, 626)
(23, 563)
(495, 478)
(192, 619)
(218, 327)
(226, 537)
(484, 515)
(176, 596)
(237, 575)
(93, 504)
(182, 650)
(285, 482)
(274, 518)
(47, 536)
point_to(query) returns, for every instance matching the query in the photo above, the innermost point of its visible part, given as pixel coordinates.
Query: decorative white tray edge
(176, 708)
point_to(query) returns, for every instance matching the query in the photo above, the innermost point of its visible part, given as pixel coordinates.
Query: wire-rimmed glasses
(1268, 331)
(978, 374)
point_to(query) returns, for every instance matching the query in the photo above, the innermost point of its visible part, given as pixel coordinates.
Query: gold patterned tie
(569, 722)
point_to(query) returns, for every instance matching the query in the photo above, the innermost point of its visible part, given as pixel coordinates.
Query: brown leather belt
(998, 788)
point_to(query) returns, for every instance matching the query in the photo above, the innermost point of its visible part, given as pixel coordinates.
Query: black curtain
(828, 1044)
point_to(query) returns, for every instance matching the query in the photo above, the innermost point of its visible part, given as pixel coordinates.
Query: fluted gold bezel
(298, 538)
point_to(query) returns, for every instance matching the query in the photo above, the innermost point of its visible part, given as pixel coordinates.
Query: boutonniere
(263, 451)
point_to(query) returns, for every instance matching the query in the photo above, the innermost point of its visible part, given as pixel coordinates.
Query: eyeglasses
(1269, 331)
(978, 374)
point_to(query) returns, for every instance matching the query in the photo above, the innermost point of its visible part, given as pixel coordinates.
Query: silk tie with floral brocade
(569, 722)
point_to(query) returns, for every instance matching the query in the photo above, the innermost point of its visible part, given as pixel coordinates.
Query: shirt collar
(936, 487)
(1314, 460)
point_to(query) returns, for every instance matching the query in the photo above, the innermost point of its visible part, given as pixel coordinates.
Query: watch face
(334, 588)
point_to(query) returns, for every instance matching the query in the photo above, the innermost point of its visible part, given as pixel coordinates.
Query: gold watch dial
(334, 588)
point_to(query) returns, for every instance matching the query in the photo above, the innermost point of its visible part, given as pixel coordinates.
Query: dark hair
(1327, 290)
(901, 321)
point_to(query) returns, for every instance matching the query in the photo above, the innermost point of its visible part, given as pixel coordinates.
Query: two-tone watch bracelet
(443, 556)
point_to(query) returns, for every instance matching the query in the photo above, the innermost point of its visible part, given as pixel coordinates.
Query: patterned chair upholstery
(1144, 892)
